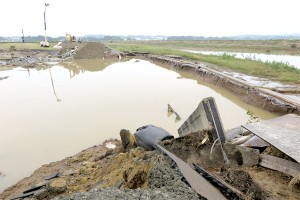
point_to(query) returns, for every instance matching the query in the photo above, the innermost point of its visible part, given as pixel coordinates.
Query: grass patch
(275, 71)
(284, 47)
(22, 46)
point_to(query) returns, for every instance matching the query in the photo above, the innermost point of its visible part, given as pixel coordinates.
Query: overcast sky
(155, 17)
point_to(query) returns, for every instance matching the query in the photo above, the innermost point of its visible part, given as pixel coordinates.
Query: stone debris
(128, 140)
(58, 185)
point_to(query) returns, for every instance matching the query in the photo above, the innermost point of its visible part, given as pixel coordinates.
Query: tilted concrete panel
(205, 117)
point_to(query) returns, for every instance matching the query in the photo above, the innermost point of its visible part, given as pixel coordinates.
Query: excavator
(70, 38)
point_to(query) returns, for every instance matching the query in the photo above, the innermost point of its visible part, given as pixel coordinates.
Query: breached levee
(257, 96)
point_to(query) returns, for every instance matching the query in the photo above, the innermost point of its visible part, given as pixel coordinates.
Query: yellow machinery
(70, 38)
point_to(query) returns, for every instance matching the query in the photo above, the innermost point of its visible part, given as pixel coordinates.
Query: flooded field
(49, 114)
(292, 60)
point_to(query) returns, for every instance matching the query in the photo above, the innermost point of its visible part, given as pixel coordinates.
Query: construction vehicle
(70, 38)
(45, 43)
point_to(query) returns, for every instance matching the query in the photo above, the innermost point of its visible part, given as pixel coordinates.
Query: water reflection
(76, 67)
(57, 99)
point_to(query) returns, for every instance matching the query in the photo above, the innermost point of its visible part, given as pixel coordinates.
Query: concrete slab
(281, 132)
(205, 117)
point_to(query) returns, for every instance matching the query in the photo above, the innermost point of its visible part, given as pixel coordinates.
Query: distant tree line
(96, 38)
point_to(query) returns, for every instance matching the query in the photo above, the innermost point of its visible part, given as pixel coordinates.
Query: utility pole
(23, 38)
(46, 4)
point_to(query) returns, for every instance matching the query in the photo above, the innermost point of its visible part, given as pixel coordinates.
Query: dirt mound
(92, 50)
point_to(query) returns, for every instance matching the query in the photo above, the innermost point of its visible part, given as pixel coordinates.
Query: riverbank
(284, 99)
(274, 71)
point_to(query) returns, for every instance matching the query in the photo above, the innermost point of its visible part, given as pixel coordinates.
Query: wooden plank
(281, 132)
(279, 164)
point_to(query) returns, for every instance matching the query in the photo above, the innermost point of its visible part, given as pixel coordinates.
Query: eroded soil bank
(278, 100)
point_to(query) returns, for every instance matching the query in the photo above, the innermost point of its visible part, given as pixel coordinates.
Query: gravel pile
(115, 193)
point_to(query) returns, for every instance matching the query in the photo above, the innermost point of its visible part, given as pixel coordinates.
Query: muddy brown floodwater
(49, 114)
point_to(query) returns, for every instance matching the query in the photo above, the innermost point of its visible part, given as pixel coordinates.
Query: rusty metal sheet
(281, 132)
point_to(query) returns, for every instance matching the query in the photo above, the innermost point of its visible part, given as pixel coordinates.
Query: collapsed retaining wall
(260, 97)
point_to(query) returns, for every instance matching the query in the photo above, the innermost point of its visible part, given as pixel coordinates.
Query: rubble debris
(197, 182)
(255, 142)
(41, 194)
(226, 189)
(236, 133)
(58, 185)
(37, 187)
(279, 164)
(52, 176)
(128, 140)
(243, 182)
(22, 196)
(188, 149)
(205, 117)
(281, 132)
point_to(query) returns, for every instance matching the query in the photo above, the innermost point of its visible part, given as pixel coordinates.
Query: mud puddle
(49, 114)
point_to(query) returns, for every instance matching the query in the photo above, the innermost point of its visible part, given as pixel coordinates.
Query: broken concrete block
(58, 185)
(242, 155)
(41, 194)
(128, 140)
(236, 133)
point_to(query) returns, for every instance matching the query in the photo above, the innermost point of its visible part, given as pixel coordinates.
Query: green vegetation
(274, 71)
(21, 46)
(284, 47)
